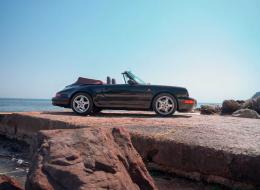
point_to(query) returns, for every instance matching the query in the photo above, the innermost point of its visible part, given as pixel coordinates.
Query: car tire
(82, 104)
(164, 104)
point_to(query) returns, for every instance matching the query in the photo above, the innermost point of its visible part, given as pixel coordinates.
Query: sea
(30, 105)
(26, 105)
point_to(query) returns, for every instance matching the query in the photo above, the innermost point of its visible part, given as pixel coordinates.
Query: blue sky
(210, 47)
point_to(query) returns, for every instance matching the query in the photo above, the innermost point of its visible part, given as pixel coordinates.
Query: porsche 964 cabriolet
(90, 96)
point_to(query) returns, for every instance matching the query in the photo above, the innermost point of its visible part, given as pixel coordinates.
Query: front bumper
(186, 104)
(62, 102)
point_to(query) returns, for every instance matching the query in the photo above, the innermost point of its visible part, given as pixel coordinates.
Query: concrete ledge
(25, 126)
(199, 163)
(223, 150)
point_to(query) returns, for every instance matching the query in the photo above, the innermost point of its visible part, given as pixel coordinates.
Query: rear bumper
(186, 104)
(62, 102)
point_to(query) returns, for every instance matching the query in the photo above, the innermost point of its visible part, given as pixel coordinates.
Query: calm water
(14, 160)
(23, 105)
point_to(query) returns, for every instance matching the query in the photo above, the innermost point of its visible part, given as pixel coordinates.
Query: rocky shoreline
(197, 147)
(237, 108)
(14, 176)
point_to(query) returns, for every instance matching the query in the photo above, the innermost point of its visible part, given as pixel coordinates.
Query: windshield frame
(133, 77)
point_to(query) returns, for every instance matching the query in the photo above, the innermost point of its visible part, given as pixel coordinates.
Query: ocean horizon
(30, 104)
(26, 105)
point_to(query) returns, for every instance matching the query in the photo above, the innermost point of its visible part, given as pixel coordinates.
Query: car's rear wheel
(82, 104)
(164, 104)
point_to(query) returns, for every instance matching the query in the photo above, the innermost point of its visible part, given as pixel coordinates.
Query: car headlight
(58, 95)
(61, 95)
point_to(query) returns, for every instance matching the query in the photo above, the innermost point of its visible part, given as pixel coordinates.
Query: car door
(127, 96)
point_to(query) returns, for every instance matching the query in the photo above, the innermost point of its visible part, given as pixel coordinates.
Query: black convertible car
(88, 96)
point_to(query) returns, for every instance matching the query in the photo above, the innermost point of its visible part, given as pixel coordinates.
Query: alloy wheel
(164, 105)
(81, 103)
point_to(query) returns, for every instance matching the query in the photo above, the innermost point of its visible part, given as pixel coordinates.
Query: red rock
(230, 106)
(209, 109)
(90, 158)
(253, 104)
(7, 183)
(225, 147)
(246, 113)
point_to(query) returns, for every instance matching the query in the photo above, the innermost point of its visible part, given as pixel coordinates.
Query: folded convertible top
(82, 80)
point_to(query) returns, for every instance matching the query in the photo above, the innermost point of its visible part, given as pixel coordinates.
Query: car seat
(108, 80)
(113, 81)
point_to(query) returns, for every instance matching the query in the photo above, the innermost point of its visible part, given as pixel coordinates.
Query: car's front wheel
(164, 104)
(82, 104)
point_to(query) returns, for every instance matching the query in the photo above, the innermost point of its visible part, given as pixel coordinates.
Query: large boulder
(253, 104)
(230, 106)
(256, 104)
(247, 113)
(256, 95)
(89, 158)
(7, 183)
(209, 109)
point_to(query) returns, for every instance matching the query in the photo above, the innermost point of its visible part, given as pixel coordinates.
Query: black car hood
(166, 86)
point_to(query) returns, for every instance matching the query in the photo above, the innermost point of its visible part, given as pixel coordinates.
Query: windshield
(130, 75)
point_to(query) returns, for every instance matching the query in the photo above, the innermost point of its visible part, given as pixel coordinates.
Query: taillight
(188, 101)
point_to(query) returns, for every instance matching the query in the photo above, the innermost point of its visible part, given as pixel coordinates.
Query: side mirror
(131, 82)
